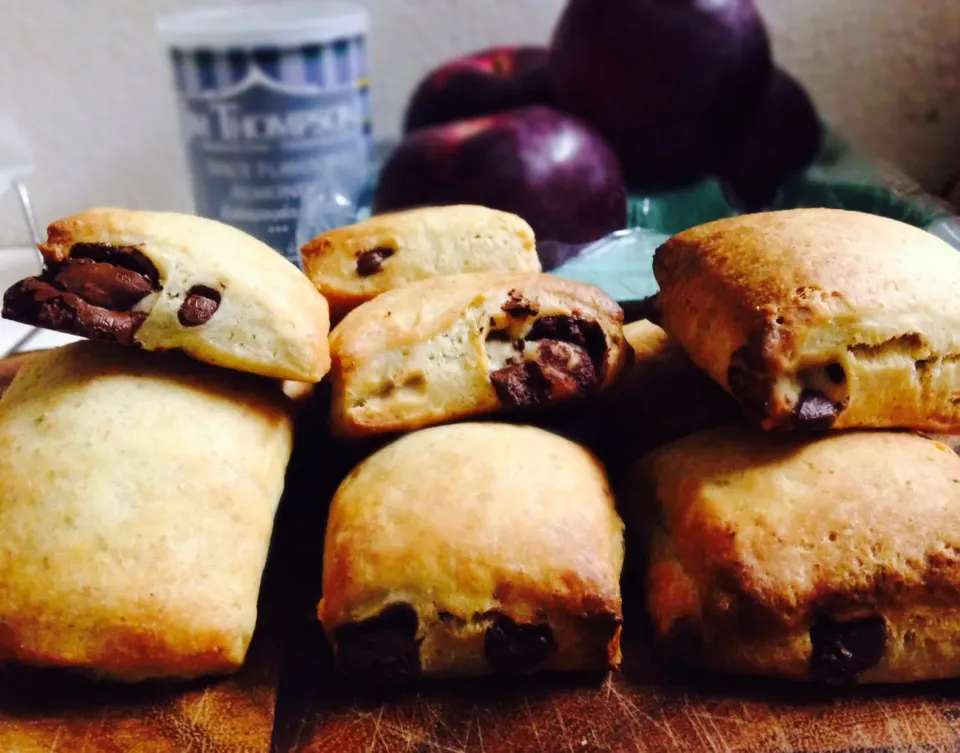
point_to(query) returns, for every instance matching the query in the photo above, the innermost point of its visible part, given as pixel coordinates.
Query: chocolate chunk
(369, 262)
(38, 302)
(512, 647)
(521, 385)
(841, 650)
(815, 411)
(90, 293)
(836, 374)
(128, 257)
(102, 283)
(517, 306)
(200, 304)
(574, 330)
(383, 647)
(567, 367)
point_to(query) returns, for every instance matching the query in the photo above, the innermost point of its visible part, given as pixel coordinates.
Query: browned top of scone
(804, 280)
(473, 518)
(768, 529)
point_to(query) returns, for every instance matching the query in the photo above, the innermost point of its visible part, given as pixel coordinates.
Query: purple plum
(550, 169)
(669, 83)
(483, 83)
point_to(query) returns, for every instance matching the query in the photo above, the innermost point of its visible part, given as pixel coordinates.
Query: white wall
(89, 83)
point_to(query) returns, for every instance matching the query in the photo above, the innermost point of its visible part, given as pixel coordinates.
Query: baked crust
(353, 264)
(499, 542)
(137, 496)
(836, 558)
(820, 317)
(434, 351)
(208, 289)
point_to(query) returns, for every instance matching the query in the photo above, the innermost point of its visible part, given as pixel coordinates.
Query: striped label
(265, 127)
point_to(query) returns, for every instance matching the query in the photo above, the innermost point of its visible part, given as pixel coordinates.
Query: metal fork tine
(31, 221)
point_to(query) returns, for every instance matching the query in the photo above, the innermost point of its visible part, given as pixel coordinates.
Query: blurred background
(91, 85)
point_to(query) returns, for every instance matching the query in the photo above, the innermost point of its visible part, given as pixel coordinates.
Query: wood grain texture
(645, 707)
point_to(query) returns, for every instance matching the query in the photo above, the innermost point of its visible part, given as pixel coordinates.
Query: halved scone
(820, 318)
(467, 345)
(353, 264)
(165, 281)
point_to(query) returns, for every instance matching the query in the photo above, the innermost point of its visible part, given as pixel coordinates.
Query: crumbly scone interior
(503, 350)
(838, 364)
(374, 261)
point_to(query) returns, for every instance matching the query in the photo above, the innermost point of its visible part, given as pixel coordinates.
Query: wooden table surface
(287, 697)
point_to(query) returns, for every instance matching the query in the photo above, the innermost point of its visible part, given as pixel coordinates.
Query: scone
(835, 558)
(820, 318)
(137, 497)
(352, 264)
(473, 549)
(170, 281)
(466, 345)
(662, 397)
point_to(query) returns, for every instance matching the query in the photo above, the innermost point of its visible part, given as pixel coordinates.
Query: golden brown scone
(137, 496)
(465, 345)
(820, 318)
(835, 558)
(473, 549)
(166, 281)
(352, 264)
(662, 397)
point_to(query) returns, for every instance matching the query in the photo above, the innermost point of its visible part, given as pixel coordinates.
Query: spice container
(273, 100)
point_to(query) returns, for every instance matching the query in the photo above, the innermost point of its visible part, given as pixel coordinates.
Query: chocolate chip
(512, 647)
(521, 385)
(128, 257)
(814, 411)
(369, 262)
(38, 302)
(499, 335)
(567, 367)
(572, 329)
(836, 374)
(383, 647)
(841, 650)
(102, 283)
(199, 306)
(517, 306)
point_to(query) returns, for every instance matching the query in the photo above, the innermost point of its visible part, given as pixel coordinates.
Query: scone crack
(98, 291)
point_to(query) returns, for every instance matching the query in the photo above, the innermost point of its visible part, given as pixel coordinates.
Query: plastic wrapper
(841, 178)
